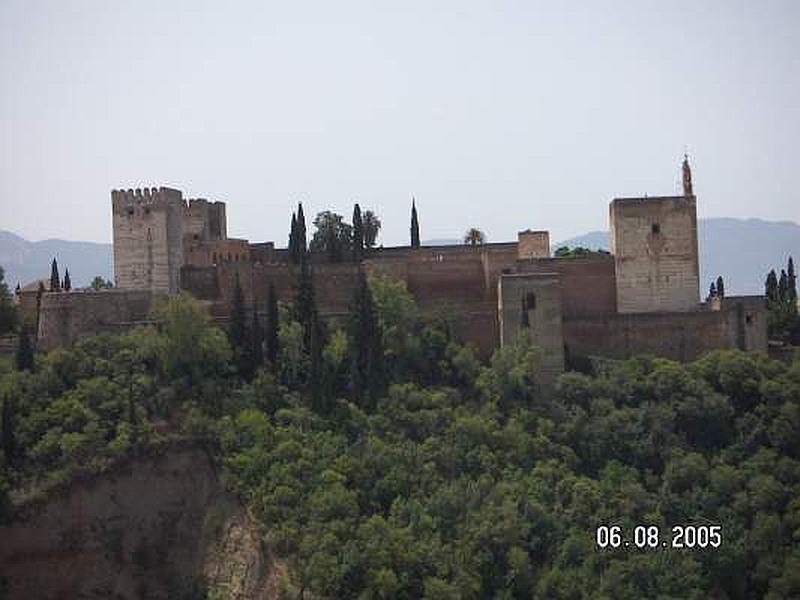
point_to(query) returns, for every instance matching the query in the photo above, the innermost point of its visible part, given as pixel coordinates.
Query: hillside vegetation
(444, 477)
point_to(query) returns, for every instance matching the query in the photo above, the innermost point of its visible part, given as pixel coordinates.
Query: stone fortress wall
(654, 243)
(64, 316)
(644, 297)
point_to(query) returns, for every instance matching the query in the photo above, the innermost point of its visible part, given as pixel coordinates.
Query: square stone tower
(529, 304)
(654, 243)
(148, 239)
(533, 244)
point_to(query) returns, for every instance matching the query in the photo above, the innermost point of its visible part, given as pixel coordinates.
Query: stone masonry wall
(654, 243)
(530, 304)
(679, 336)
(148, 239)
(65, 316)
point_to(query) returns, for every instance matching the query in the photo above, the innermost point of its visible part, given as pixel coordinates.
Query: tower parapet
(148, 238)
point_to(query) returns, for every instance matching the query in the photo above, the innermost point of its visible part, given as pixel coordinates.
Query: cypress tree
(272, 326)
(293, 240)
(39, 293)
(720, 287)
(302, 242)
(67, 281)
(319, 376)
(771, 287)
(24, 358)
(7, 423)
(55, 280)
(791, 284)
(305, 305)
(257, 344)
(414, 225)
(237, 330)
(367, 368)
(712, 291)
(358, 234)
(783, 288)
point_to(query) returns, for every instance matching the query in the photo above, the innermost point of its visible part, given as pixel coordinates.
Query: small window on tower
(655, 228)
(530, 301)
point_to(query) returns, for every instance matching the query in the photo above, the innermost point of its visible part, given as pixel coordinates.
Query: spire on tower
(687, 177)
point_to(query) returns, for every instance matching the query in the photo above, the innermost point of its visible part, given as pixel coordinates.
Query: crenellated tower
(148, 238)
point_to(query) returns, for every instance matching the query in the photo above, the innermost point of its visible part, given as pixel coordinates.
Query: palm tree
(474, 237)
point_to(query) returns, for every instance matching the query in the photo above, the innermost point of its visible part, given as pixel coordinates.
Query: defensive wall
(739, 323)
(643, 297)
(65, 316)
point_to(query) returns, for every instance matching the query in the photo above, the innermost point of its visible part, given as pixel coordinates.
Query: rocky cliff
(155, 527)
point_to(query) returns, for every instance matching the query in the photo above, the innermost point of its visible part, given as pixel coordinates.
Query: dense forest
(383, 459)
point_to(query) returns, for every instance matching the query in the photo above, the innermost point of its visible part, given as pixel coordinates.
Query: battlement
(131, 200)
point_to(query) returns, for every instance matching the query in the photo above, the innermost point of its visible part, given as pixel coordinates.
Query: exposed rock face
(155, 527)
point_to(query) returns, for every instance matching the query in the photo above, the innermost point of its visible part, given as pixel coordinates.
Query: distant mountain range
(26, 261)
(741, 250)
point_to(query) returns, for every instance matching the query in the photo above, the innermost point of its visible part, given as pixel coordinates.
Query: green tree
(358, 235)
(372, 226)
(305, 305)
(293, 242)
(237, 330)
(398, 316)
(319, 376)
(55, 280)
(510, 380)
(720, 287)
(24, 357)
(333, 236)
(272, 343)
(189, 347)
(256, 345)
(771, 288)
(8, 311)
(791, 287)
(302, 242)
(7, 420)
(67, 281)
(98, 283)
(474, 237)
(367, 367)
(414, 224)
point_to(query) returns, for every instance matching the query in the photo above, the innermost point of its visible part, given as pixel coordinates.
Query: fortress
(643, 297)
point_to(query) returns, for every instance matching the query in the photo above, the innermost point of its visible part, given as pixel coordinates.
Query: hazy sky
(500, 115)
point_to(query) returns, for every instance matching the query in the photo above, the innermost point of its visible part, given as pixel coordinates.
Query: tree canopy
(456, 478)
